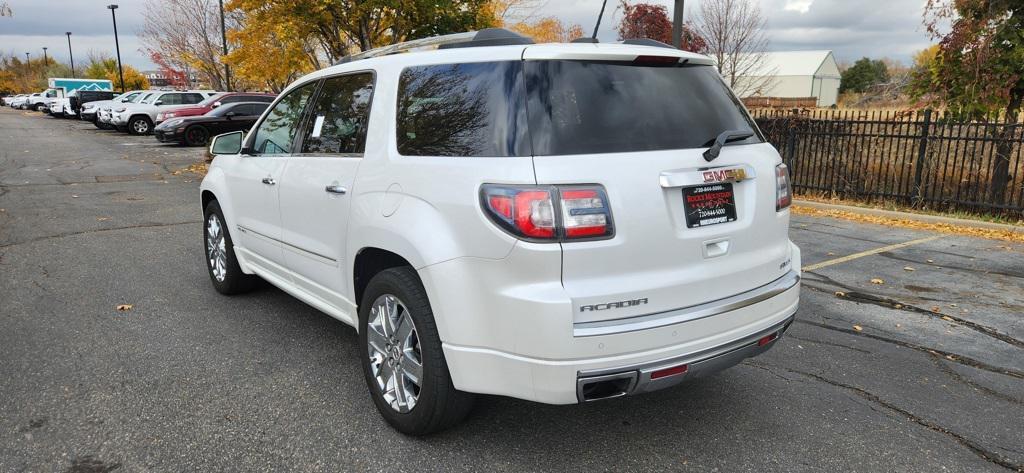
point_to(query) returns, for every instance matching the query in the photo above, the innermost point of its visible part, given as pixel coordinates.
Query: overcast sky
(874, 28)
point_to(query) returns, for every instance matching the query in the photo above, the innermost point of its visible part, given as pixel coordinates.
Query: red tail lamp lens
(767, 339)
(673, 371)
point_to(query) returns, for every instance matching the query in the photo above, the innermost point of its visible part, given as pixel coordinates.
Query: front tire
(139, 126)
(221, 263)
(403, 362)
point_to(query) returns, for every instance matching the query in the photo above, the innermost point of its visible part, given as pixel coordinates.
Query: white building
(794, 74)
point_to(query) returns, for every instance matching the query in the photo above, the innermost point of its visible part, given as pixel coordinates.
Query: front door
(255, 181)
(317, 187)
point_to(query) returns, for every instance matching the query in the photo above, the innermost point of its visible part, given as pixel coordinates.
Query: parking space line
(875, 251)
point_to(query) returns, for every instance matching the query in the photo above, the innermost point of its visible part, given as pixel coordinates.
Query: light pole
(224, 42)
(71, 54)
(46, 60)
(120, 72)
(677, 24)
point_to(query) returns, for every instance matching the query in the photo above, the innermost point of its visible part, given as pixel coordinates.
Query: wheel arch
(368, 262)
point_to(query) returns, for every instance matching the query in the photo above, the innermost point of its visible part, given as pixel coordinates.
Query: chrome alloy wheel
(215, 251)
(141, 127)
(396, 359)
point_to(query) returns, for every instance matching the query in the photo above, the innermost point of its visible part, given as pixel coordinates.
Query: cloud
(801, 6)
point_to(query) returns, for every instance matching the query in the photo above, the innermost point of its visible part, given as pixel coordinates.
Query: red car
(211, 103)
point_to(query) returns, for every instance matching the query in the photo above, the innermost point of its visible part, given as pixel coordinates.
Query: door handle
(269, 181)
(336, 189)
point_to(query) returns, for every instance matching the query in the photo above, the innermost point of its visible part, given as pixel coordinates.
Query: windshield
(149, 98)
(210, 100)
(568, 106)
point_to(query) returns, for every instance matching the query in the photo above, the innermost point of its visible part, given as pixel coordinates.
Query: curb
(960, 222)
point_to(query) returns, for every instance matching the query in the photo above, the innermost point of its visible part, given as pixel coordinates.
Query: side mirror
(228, 143)
(216, 104)
(158, 103)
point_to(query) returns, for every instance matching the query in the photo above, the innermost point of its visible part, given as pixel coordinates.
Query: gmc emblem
(613, 305)
(724, 175)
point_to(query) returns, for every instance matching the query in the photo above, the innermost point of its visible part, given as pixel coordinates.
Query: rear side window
(337, 124)
(253, 109)
(579, 107)
(276, 133)
(170, 99)
(191, 98)
(473, 109)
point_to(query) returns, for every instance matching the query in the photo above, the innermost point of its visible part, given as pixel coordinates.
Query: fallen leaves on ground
(908, 268)
(124, 307)
(840, 294)
(858, 328)
(195, 168)
(877, 281)
(993, 234)
(948, 318)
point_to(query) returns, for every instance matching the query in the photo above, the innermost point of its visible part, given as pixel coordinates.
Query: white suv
(558, 223)
(138, 118)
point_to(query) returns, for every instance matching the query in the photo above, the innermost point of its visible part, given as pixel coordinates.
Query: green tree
(862, 75)
(979, 68)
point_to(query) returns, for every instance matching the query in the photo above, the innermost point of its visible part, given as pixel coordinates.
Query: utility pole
(71, 54)
(677, 24)
(120, 72)
(46, 60)
(224, 42)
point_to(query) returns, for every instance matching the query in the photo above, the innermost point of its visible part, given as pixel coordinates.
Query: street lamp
(46, 61)
(677, 24)
(120, 72)
(224, 42)
(71, 54)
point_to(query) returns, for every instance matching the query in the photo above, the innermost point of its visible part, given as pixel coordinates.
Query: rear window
(578, 107)
(572, 107)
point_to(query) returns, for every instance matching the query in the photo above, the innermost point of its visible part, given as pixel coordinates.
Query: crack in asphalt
(100, 230)
(985, 389)
(831, 344)
(947, 266)
(954, 357)
(980, 450)
(855, 294)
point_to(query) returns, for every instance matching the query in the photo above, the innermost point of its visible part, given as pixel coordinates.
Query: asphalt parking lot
(923, 372)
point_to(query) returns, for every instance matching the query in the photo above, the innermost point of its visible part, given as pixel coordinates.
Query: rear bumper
(510, 335)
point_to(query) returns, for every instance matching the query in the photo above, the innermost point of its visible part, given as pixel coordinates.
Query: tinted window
(170, 99)
(276, 134)
(608, 107)
(462, 110)
(338, 121)
(225, 109)
(255, 109)
(191, 98)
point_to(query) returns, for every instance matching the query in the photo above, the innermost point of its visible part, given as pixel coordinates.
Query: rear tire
(196, 135)
(221, 263)
(436, 404)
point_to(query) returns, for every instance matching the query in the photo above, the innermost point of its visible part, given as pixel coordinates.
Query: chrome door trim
(313, 253)
(686, 314)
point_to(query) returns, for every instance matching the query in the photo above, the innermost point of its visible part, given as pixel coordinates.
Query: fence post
(922, 150)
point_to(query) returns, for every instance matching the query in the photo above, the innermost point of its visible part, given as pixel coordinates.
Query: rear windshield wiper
(727, 136)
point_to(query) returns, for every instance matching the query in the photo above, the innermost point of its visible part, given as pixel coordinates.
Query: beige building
(792, 75)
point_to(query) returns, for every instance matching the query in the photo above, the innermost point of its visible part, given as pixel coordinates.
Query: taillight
(783, 192)
(530, 212)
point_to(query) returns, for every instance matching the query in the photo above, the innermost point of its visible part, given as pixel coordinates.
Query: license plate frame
(710, 204)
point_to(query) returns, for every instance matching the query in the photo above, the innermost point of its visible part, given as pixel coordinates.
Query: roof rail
(646, 42)
(485, 37)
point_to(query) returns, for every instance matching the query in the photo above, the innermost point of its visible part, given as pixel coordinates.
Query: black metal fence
(920, 158)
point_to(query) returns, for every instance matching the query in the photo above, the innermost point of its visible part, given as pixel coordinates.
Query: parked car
(17, 101)
(38, 100)
(560, 223)
(104, 109)
(197, 130)
(138, 118)
(81, 98)
(213, 102)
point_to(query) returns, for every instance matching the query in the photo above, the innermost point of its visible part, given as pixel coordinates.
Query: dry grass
(992, 234)
(199, 169)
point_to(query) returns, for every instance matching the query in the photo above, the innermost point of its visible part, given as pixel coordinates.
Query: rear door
(638, 126)
(317, 185)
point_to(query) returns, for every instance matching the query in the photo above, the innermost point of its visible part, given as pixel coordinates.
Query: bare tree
(734, 32)
(5, 9)
(186, 33)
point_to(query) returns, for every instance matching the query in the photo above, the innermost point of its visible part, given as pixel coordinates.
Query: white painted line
(875, 251)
